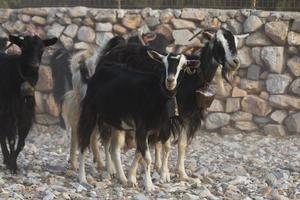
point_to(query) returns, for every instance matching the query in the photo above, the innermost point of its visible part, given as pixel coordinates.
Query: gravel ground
(241, 166)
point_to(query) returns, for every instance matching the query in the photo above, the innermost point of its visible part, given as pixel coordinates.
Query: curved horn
(140, 36)
(148, 37)
(195, 35)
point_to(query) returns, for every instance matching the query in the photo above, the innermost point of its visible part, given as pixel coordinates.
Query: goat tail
(112, 43)
(86, 124)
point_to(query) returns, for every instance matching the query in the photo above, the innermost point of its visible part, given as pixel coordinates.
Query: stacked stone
(264, 96)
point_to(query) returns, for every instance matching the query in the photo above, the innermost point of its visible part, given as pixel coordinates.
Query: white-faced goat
(116, 93)
(19, 75)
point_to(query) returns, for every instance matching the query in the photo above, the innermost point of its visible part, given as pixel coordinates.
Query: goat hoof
(165, 177)
(123, 181)
(183, 176)
(150, 188)
(132, 181)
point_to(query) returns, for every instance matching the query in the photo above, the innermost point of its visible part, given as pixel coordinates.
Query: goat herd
(130, 93)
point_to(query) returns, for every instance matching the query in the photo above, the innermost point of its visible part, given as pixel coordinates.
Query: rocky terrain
(233, 166)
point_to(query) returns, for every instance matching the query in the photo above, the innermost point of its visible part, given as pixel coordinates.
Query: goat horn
(195, 35)
(141, 38)
(149, 37)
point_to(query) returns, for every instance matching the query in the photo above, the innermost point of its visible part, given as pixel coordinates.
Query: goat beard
(227, 75)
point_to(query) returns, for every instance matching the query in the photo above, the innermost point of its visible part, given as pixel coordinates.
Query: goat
(115, 93)
(19, 75)
(220, 51)
(72, 99)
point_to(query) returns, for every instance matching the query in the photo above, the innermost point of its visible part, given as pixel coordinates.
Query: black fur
(114, 94)
(59, 63)
(16, 106)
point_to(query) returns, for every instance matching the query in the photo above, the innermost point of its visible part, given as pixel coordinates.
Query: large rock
(277, 83)
(285, 101)
(274, 129)
(246, 125)
(45, 82)
(166, 16)
(235, 26)
(252, 24)
(273, 57)
(277, 31)
(103, 27)
(237, 92)
(241, 116)
(253, 72)
(232, 104)
(106, 16)
(182, 37)
(296, 26)
(279, 115)
(166, 30)
(86, 34)
(4, 15)
(132, 21)
(216, 120)
(294, 38)
(39, 20)
(294, 65)
(251, 86)
(78, 11)
(152, 21)
(194, 14)
(71, 30)
(256, 55)
(67, 42)
(292, 122)
(295, 87)
(258, 39)
(245, 57)
(55, 30)
(216, 106)
(255, 105)
(102, 38)
(119, 29)
(35, 11)
(183, 24)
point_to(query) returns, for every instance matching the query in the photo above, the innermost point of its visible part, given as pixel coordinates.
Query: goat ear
(155, 55)
(207, 35)
(193, 64)
(50, 42)
(16, 40)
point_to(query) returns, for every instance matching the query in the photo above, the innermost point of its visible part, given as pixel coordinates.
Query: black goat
(115, 93)
(19, 75)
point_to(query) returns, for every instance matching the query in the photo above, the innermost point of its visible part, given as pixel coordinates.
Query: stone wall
(265, 94)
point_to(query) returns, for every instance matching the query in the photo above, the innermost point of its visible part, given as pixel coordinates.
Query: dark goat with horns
(115, 93)
(19, 75)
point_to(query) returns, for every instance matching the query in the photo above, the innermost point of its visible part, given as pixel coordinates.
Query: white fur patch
(221, 38)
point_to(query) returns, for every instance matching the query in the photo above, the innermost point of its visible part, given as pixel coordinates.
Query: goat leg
(96, 150)
(5, 151)
(164, 173)
(158, 156)
(109, 163)
(12, 162)
(182, 143)
(82, 176)
(132, 171)
(117, 143)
